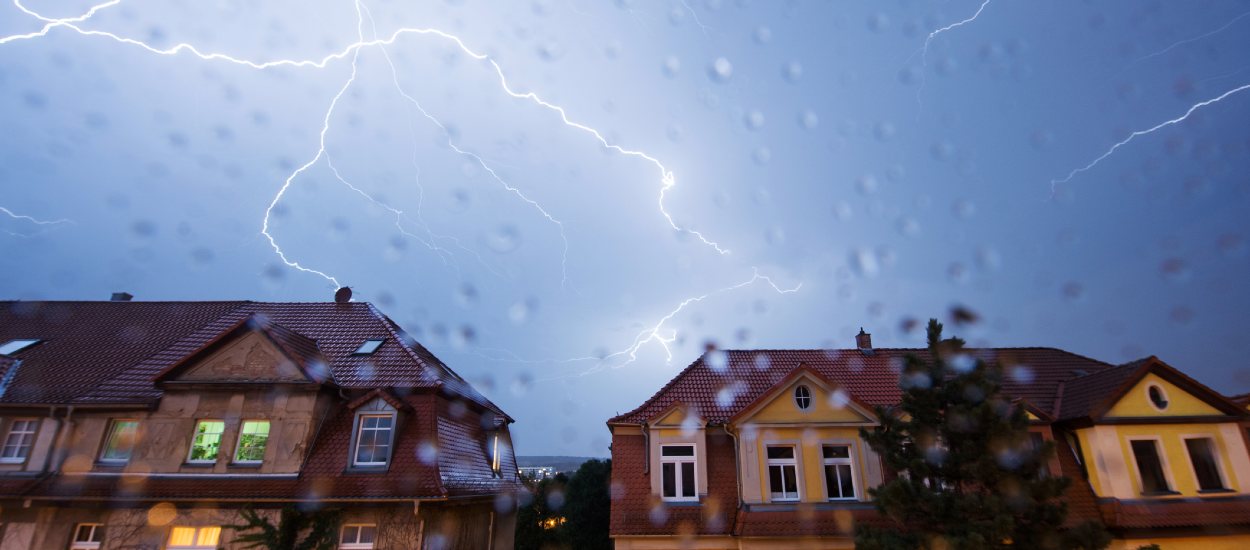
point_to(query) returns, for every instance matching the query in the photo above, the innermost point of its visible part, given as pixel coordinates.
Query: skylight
(368, 347)
(14, 346)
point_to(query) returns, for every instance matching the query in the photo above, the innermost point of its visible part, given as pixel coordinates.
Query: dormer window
(803, 397)
(368, 347)
(495, 462)
(373, 440)
(14, 346)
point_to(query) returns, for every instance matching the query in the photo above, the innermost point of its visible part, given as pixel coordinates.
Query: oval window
(802, 397)
(1157, 397)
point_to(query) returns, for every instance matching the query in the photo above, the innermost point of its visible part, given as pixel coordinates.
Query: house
(761, 449)
(130, 424)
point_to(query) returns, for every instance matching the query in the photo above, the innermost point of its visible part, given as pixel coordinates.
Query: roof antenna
(343, 295)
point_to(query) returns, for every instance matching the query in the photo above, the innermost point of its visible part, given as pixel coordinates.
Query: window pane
(780, 452)
(207, 440)
(774, 479)
(252, 439)
(208, 536)
(83, 533)
(791, 479)
(837, 451)
(1149, 466)
(687, 479)
(1202, 454)
(831, 481)
(668, 473)
(677, 450)
(847, 481)
(367, 533)
(182, 536)
(350, 533)
(121, 440)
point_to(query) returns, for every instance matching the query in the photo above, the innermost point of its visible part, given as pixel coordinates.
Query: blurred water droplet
(504, 239)
(466, 294)
(671, 66)
(1174, 270)
(864, 263)
(957, 272)
(762, 362)
(716, 360)
(962, 363)
(721, 70)
(963, 209)
(866, 184)
(884, 131)
(1231, 245)
(763, 35)
(1021, 374)
(908, 227)
(878, 22)
(842, 211)
(522, 383)
(1181, 315)
(808, 119)
(775, 236)
(988, 258)
(762, 155)
(1072, 291)
(792, 71)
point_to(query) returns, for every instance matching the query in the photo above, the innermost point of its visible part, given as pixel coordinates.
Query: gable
(678, 417)
(1136, 402)
(828, 405)
(249, 358)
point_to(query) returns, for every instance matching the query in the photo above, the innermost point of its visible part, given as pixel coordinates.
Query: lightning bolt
(53, 23)
(1178, 44)
(924, 51)
(694, 15)
(29, 219)
(1133, 135)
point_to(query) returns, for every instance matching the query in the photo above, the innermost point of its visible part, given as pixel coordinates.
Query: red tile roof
(110, 352)
(722, 383)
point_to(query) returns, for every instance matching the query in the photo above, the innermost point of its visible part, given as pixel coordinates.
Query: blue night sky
(779, 175)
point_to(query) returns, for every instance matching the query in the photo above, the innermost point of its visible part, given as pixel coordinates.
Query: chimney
(343, 295)
(121, 297)
(863, 341)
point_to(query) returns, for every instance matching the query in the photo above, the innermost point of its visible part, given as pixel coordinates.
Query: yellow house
(761, 449)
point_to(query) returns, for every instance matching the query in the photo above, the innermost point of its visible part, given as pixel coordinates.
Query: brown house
(150, 424)
(761, 449)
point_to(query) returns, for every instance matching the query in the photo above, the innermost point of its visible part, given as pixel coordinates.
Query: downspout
(490, 533)
(59, 443)
(737, 474)
(56, 435)
(646, 448)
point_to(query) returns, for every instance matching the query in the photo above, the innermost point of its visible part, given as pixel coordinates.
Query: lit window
(1206, 468)
(1157, 397)
(368, 347)
(802, 397)
(14, 346)
(206, 441)
(839, 479)
(358, 536)
(252, 439)
(17, 442)
(373, 440)
(1149, 467)
(194, 538)
(87, 536)
(677, 472)
(783, 473)
(120, 441)
(494, 454)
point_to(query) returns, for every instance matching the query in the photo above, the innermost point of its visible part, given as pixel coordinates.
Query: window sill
(379, 469)
(1222, 490)
(12, 461)
(1160, 494)
(247, 465)
(113, 465)
(682, 502)
(199, 464)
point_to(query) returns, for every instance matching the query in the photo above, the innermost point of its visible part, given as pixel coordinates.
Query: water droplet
(672, 66)
(762, 362)
(957, 272)
(1174, 270)
(504, 239)
(763, 35)
(866, 184)
(792, 71)
(1072, 291)
(466, 294)
(1181, 315)
(716, 360)
(908, 227)
(808, 119)
(963, 209)
(762, 155)
(864, 263)
(721, 70)
(842, 211)
(754, 120)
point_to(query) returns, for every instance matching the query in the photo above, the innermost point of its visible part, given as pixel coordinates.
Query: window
(495, 465)
(839, 479)
(206, 441)
(802, 397)
(1150, 468)
(1206, 469)
(87, 536)
(17, 442)
(252, 439)
(368, 347)
(677, 475)
(358, 536)
(194, 538)
(14, 346)
(1157, 397)
(373, 440)
(120, 441)
(783, 474)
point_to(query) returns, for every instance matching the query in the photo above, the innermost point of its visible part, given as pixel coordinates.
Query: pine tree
(319, 530)
(969, 475)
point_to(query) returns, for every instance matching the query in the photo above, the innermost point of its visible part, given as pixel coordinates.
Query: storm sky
(569, 201)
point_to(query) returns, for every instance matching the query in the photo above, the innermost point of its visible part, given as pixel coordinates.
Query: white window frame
(810, 397)
(195, 536)
(1163, 462)
(238, 444)
(849, 462)
(360, 431)
(8, 435)
(114, 424)
(96, 530)
(357, 545)
(677, 461)
(1217, 453)
(196, 433)
(783, 463)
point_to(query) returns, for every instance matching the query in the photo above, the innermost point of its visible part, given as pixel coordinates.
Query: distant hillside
(560, 463)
